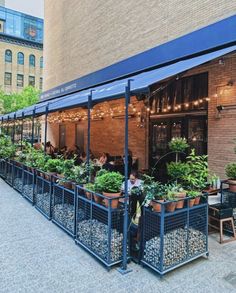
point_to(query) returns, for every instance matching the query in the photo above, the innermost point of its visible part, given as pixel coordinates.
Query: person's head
(133, 176)
(48, 144)
(83, 155)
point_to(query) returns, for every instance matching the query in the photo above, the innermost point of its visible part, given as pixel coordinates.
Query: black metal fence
(18, 176)
(28, 183)
(63, 205)
(9, 172)
(43, 193)
(99, 227)
(3, 168)
(171, 239)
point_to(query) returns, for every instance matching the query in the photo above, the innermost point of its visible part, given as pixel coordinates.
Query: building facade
(198, 103)
(21, 51)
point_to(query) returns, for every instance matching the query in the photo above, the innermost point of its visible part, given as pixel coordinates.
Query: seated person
(108, 163)
(81, 159)
(49, 148)
(103, 159)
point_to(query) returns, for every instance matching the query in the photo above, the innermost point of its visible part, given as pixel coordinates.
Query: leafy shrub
(110, 182)
(230, 170)
(178, 144)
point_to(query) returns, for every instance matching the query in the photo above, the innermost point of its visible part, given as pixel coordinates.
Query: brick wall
(84, 36)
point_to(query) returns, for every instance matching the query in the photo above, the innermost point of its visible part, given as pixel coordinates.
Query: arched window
(41, 62)
(20, 58)
(8, 56)
(32, 60)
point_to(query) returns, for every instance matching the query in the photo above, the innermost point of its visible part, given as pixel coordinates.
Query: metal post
(7, 125)
(2, 128)
(32, 134)
(89, 130)
(123, 269)
(22, 130)
(46, 128)
(14, 129)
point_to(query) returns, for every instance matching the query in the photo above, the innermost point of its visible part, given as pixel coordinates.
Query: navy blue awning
(140, 83)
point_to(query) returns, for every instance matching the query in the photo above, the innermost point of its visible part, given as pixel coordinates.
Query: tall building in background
(2, 2)
(21, 50)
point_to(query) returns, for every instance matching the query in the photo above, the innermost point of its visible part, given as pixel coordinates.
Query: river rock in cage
(64, 214)
(178, 246)
(42, 201)
(28, 191)
(18, 183)
(9, 177)
(94, 234)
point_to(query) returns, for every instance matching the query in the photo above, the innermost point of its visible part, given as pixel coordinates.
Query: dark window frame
(9, 74)
(8, 57)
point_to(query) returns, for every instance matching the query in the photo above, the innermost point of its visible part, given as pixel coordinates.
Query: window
(20, 80)
(32, 81)
(41, 83)
(179, 95)
(32, 60)
(41, 62)
(8, 78)
(8, 56)
(20, 58)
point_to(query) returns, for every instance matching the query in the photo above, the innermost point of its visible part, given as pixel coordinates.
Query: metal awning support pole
(22, 130)
(89, 132)
(32, 132)
(124, 270)
(7, 125)
(14, 129)
(2, 128)
(46, 127)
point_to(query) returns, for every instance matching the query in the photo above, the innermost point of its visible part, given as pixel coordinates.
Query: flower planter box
(170, 240)
(99, 229)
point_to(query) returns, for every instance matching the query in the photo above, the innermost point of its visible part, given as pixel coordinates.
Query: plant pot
(197, 200)
(180, 203)
(114, 202)
(49, 175)
(98, 199)
(191, 202)
(156, 205)
(232, 185)
(171, 206)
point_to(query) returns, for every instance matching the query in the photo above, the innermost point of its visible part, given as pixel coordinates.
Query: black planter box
(220, 211)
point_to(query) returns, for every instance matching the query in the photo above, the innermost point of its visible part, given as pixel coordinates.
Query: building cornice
(20, 41)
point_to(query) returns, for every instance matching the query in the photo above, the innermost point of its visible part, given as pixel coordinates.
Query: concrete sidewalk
(37, 256)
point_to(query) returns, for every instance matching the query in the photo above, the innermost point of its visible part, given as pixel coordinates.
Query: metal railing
(171, 239)
(28, 183)
(99, 227)
(43, 193)
(64, 205)
(17, 176)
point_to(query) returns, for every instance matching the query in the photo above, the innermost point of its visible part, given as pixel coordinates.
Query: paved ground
(36, 256)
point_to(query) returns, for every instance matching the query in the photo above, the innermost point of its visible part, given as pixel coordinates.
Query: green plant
(178, 144)
(193, 193)
(177, 170)
(7, 148)
(110, 182)
(90, 186)
(230, 170)
(196, 179)
(66, 167)
(54, 165)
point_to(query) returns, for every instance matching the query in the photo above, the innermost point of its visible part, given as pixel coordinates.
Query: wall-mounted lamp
(226, 107)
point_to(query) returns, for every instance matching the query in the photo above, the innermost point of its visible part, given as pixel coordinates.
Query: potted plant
(196, 179)
(52, 166)
(230, 171)
(178, 145)
(194, 198)
(177, 170)
(171, 199)
(110, 184)
(89, 187)
(178, 193)
(154, 193)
